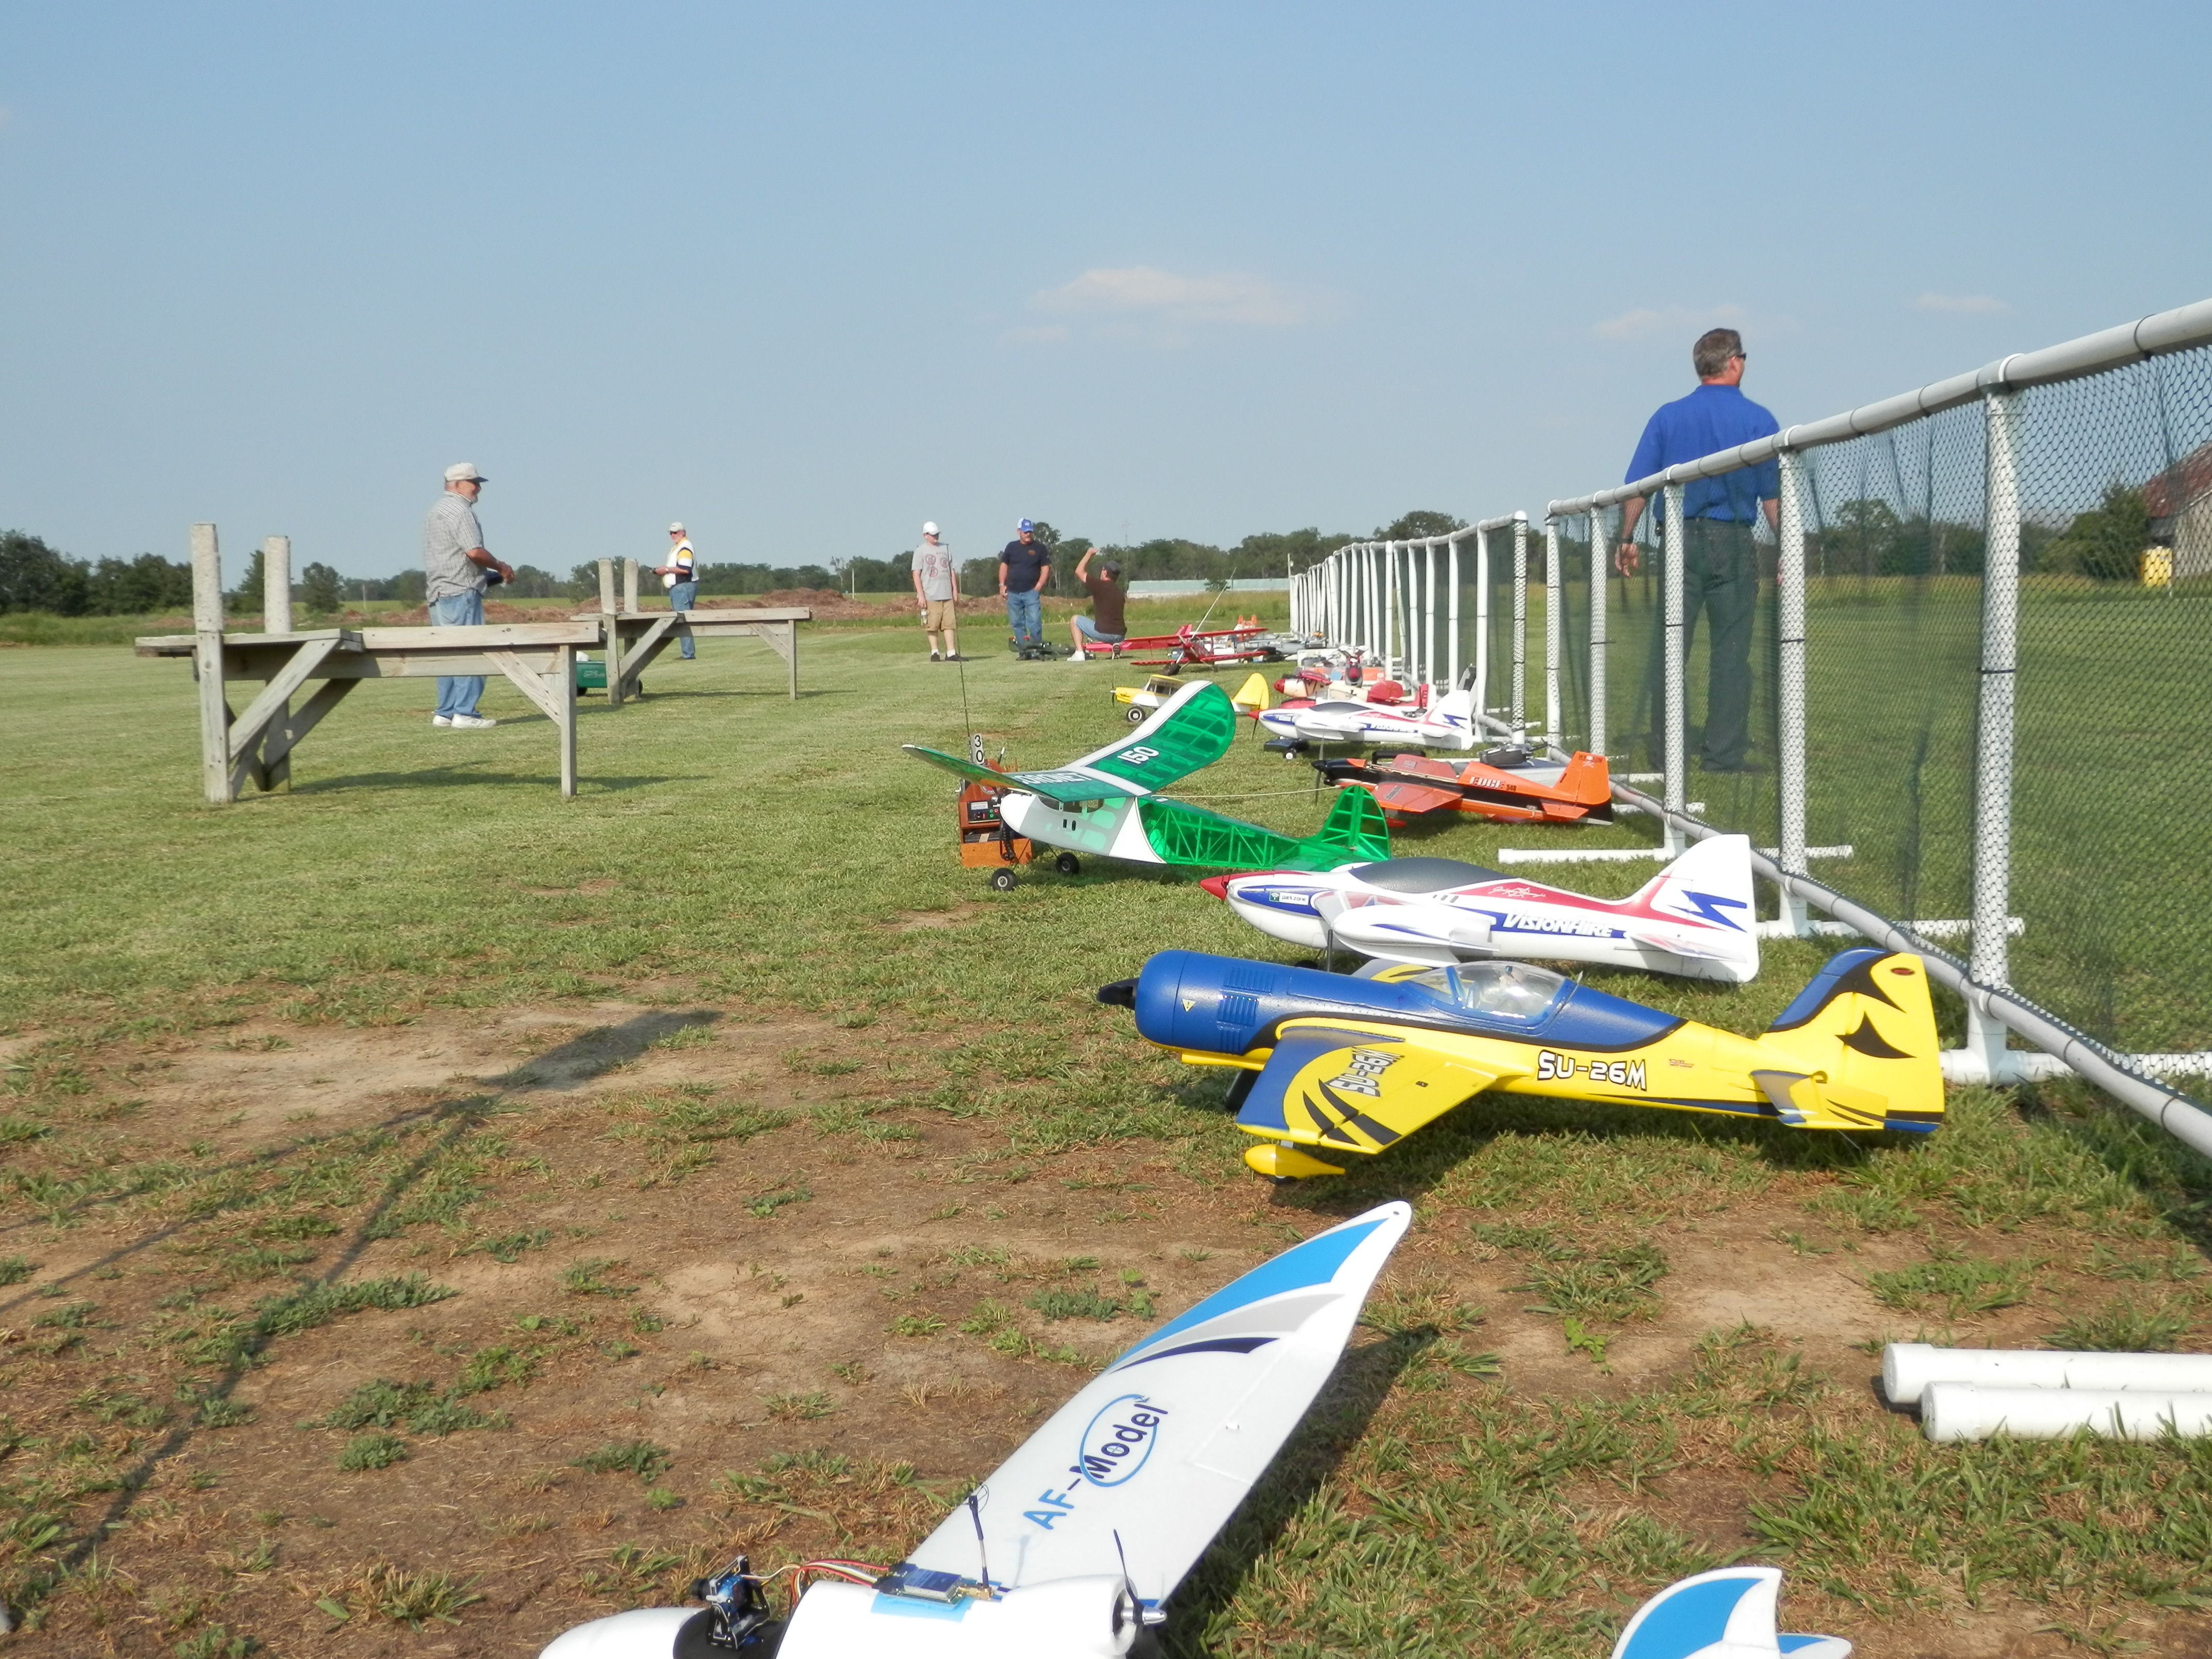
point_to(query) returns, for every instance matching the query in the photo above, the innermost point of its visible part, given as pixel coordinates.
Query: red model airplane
(1187, 647)
(1406, 786)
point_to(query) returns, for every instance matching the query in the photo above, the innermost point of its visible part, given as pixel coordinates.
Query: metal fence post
(1554, 635)
(1993, 737)
(1789, 762)
(1520, 627)
(1428, 611)
(1677, 708)
(1481, 625)
(1390, 609)
(1451, 604)
(1601, 562)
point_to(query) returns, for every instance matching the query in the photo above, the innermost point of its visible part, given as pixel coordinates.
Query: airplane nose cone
(1217, 885)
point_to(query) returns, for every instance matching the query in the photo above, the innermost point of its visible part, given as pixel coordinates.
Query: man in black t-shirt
(1023, 565)
(1107, 624)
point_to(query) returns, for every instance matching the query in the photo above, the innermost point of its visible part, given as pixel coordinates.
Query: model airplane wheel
(1137, 716)
(1068, 864)
(1002, 881)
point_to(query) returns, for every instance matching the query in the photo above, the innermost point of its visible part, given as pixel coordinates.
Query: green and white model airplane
(1107, 803)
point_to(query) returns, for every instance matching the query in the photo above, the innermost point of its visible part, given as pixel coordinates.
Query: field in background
(426, 1198)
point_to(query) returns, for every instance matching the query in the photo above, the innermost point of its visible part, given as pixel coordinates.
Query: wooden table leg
(565, 696)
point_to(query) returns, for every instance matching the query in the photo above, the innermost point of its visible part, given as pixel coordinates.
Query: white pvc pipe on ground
(1961, 1411)
(1910, 1368)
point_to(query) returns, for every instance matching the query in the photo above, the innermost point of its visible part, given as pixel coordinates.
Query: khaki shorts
(938, 615)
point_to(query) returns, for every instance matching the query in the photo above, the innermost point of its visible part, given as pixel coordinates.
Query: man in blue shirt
(1025, 564)
(1720, 566)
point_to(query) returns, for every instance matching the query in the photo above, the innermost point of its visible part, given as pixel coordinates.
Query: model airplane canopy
(1191, 731)
(1161, 1447)
(1693, 919)
(1354, 1065)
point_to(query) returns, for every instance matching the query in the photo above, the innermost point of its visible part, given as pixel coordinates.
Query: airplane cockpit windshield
(1497, 990)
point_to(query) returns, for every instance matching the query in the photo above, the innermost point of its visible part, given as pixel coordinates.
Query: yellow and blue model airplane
(1338, 1065)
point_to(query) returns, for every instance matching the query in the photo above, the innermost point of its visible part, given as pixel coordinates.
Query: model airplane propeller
(1107, 802)
(1068, 1550)
(1693, 919)
(1340, 1065)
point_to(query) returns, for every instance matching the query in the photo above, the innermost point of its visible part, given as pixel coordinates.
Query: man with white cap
(937, 590)
(680, 576)
(458, 570)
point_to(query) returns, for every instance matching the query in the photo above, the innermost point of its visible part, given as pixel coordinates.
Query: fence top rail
(2178, 330)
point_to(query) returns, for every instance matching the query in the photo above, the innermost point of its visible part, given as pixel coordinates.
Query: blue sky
(805, 275)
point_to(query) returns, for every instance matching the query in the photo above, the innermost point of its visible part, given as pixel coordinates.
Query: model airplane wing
(1358, 1091)
(1413, 797)
(1729, 1615)
(1151, 1458)
(1192, 729)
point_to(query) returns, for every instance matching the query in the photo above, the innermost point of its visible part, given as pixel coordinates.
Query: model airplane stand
(987, 842)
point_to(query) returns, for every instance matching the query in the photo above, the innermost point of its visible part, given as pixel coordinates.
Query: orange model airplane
(1504, 785)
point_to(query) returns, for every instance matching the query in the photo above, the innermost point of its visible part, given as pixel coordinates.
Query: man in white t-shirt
(937, 590)
(680, 576)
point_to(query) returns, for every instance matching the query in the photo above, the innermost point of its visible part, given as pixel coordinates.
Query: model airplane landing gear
(1068, 865)
(1002, 881)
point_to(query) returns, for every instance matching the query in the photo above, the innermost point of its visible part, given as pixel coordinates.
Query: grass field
(435, 1213)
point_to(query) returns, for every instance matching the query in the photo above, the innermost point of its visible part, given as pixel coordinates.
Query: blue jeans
(1089, 629)
(458, 693)
(679, 598)
(1025, 616)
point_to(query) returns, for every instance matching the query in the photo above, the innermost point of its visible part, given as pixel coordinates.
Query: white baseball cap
(675, 529)
(929, 529)
(464, 472)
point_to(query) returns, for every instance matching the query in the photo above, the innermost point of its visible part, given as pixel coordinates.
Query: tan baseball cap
(464, 472)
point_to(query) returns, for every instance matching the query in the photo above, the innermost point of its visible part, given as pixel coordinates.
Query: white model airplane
(1449, 723)
(1069, 1548)
(1694, 918)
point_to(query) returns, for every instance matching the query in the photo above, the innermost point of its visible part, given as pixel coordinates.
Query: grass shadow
(602, 1050)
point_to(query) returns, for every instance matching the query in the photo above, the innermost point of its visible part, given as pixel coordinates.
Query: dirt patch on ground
(674, 1280)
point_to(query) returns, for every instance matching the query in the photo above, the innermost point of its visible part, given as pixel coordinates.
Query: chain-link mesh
(2114, 728)
(1893, 543)
(1574, 634)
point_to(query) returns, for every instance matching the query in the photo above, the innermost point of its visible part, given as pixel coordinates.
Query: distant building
(2180, 503)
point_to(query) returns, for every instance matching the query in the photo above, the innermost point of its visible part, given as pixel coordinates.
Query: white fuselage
(1359, 722)
(1110, 830)
(1501, 918)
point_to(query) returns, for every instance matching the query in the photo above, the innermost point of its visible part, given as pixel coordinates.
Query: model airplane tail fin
(1455, 708)
(1857, 1049)
(1587, 779)
(1252, 696)
(1355, 830)
(1704, 901)
(1730, 1612)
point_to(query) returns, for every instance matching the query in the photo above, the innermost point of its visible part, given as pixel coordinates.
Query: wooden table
(633, 638)
(256, 746)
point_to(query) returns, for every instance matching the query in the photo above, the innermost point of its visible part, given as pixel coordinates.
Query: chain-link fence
(1951, 673)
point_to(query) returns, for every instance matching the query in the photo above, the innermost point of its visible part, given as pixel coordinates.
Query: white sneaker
(473, 722)
(441, 719)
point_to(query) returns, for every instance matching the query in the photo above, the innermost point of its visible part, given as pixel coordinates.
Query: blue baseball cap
(1024, 527)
